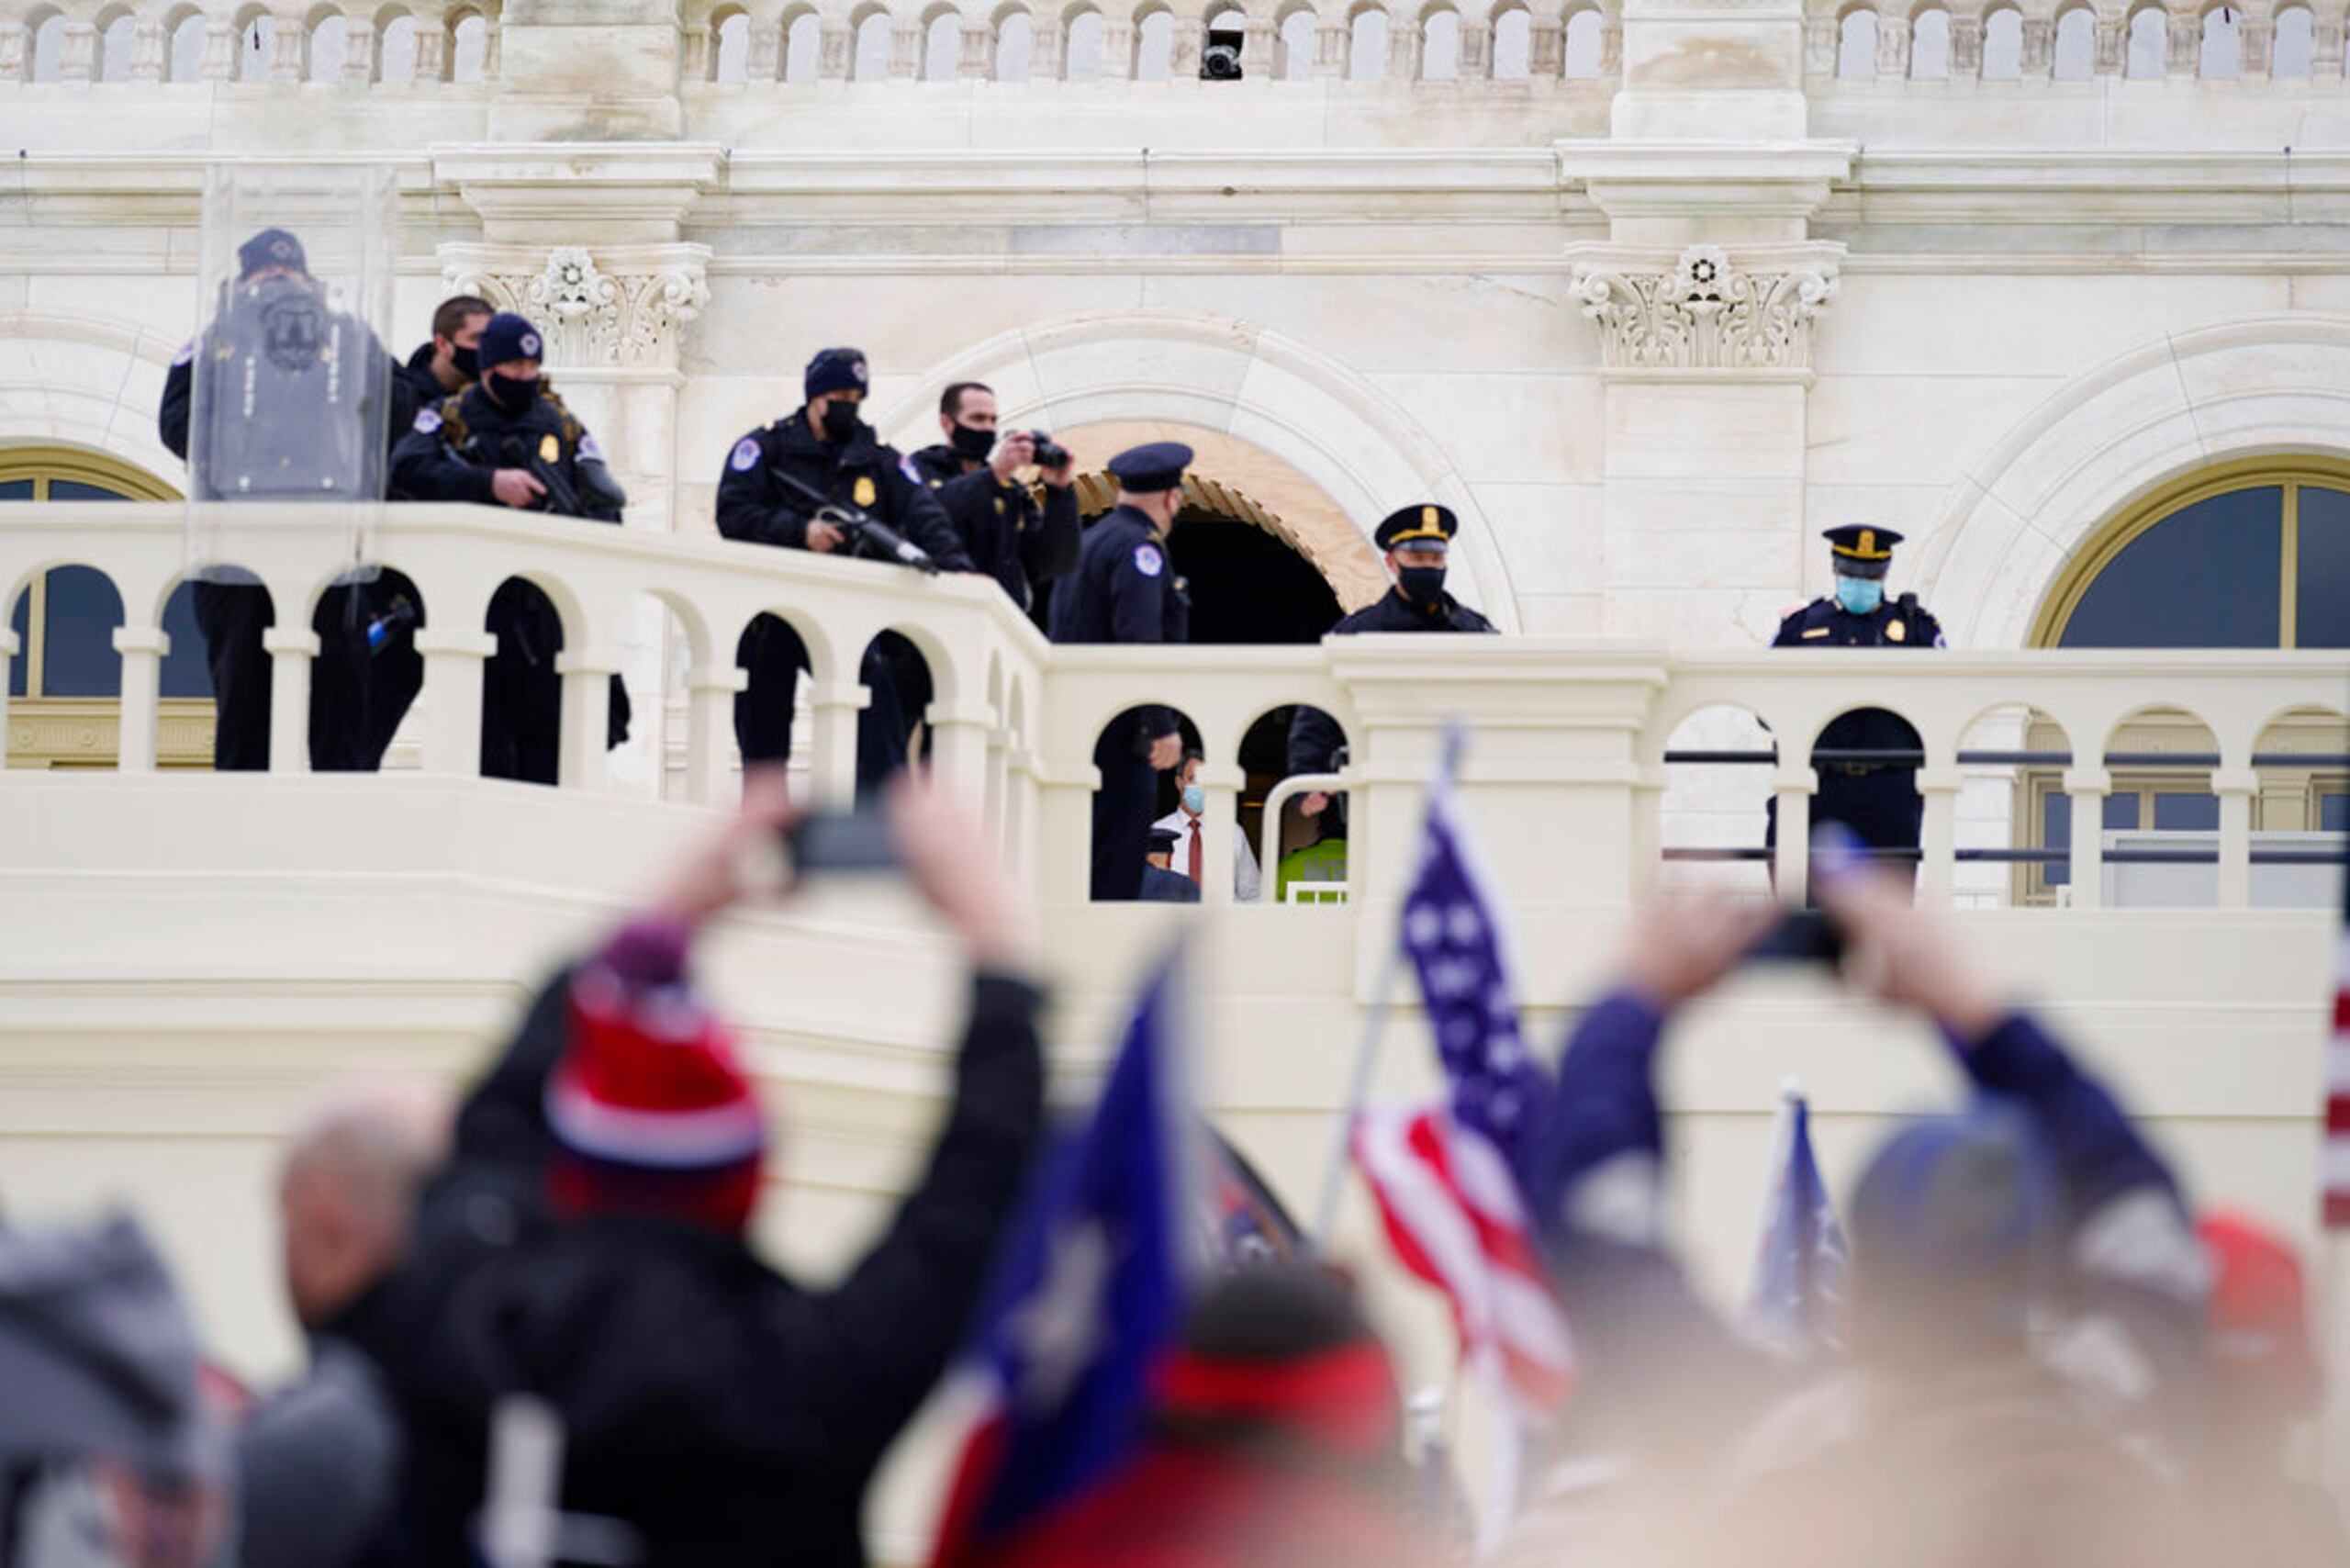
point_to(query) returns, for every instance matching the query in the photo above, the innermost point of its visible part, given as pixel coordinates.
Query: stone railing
(407, 43)
(1995, 40)
(1579, 744)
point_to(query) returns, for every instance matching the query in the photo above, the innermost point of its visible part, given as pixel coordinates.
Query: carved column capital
(619, 308)
(1705, 308)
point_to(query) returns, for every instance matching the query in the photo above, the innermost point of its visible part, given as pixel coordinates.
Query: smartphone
(838, 844)
(1801, 937)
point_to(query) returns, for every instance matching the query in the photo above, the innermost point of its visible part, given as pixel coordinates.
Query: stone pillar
(1331, 47)
(2237, 788)
(766, 62)
(1791, 857)
(360, 49)
(142, 649)
(10, 645)
(1892, 48)
(836, 49)
(1188, 39)
(432, 64)
(586, 714)
(290, 697)
(905, 51)
(1047, 37)
(2325, 49)
(148, 47)
(1403, 39)
(573, 72)
(1546, 48)
(2185, 34)
(958, 747)
(977, 61)
(2038, 54)
(709, 730)
(220, 39)
(289, 44)
(1220, 823)
(1259, 40)
(2087, 788)
(16, 52)
(1937, 838)
(451, 701)
(1965, 48)
(2112, 37)
(1611, 48)
(2259, 38)
(1117, 51)
(1476, 49)
(834, 705)
(77, 55)
(1822, 37)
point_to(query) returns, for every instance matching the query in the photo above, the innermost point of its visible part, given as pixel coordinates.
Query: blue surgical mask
(1195, 800)
(1860, 595)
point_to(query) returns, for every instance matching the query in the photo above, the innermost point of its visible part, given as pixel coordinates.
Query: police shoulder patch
(746, 455)
(589, 450)
(906, 466)
(1148, 561)
(428, 420)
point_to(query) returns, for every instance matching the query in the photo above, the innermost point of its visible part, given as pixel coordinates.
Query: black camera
(1049, 453)
(1220, 61)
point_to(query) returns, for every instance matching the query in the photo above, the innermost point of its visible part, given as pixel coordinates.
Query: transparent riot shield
(289, 386)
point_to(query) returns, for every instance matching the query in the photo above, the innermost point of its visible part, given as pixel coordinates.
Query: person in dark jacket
(587, 1243)
(1125, 590)
(509, 440)
(450, 361)
(1875, 797)
(1417, 540)
(777, 479)
(292, 441)
(972, 474)
(1161, 883)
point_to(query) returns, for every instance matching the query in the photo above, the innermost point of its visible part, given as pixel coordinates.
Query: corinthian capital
(622, 308)
(1705, 309)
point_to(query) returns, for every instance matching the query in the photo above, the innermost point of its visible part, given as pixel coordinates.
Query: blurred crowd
(539, 1331)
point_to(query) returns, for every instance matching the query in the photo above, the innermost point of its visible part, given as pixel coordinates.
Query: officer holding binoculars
(804, 483)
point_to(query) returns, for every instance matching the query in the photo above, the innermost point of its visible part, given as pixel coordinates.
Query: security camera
(1220, 61)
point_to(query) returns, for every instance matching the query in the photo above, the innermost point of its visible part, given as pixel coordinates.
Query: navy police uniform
(453, 453)
(1878, 800)
(1007, 535)
(1315, 741)
(276, 338)
(1125, 590)
(854, 470)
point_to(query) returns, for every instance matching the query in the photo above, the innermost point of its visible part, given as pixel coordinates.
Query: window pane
(184, 671)
(2056, 832)
(2205, 577)
(20, 620)
(2322, 598)
(2121, 812)
(74, 490)
(2187, 813)
(15, 490)
(2333, 813)
(77, 642)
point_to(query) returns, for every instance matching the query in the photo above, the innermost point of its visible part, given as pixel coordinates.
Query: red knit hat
(651, 1111)
(2259, 1322)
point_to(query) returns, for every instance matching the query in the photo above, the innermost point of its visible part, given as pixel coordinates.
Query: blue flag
(1796, 1299)
(1089, 1294)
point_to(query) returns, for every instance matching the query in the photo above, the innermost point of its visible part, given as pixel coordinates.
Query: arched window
(1367, 46)
(2290, 52)
(468, 50)
(1929, 46)
(396, 55)
(1015, 46)
(803, 48)
(1154, 47)
(2003, 45)
(1586, 45)
(941, 47)
(117, 41)
(48, 48)
(1440, 46)
(330, 46)
(872, 55)
(2250, 557)
(183, 60)
(2223, 57)
(1082, 53)
(2075, 49)
(1512, 45)
(2149, 43)
(730, 59)
(1856, 46)
(1297, 46)
(258, 42)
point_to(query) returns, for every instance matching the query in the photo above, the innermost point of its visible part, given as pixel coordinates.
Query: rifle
(516, 451)
(868, 535)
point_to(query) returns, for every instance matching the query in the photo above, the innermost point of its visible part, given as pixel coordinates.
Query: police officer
(450, 361)
(1125, 590)
(776, 478)
(1417, 539)
(310, 382)
(1877, 800)
(971, 474)
(509, 440)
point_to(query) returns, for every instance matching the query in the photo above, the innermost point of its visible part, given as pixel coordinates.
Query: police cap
(1422, 526)
(1861, 549)
(271, 248)
(1162, 840)
(506, 338)
(1157, 466)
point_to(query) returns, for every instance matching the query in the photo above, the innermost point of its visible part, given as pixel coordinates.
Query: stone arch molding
(2023, 511)
(1233, 377)
(87, 382)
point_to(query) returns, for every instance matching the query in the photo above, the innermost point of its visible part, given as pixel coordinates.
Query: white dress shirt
(1182, 824)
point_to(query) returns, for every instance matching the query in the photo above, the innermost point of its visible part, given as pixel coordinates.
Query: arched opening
(2148, 42)
(329, 48)
(1303, 856)
(469, 49)
(257, 40)
(1138, 754)
(1440, 46)
(1015, 46)
(870, 61)
(730, 54)
(1586, 45)
(770, 721)
(117, 42)
(396, 54)
(1718, 765)
(1297, 45)
(892, 731)
(1929, 45)
(2075, 47)
(2290, 52)
(522, 705)
(1513, 44)
(1081, 48)
(803, 48)
(2003, 45)
(2221, 58)
(1856, 46)
(942, 46)
(48, 48)
(1367, 46)
(1154, 47)
(183, 55)
(367, 671)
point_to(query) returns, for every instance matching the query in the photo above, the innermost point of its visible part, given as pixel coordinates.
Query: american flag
(1799, 1263)
(1447, 1180)
(2336, 1165)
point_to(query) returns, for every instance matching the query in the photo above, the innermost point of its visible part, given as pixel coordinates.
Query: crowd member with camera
(821, 479)
(973, 474)
(589, 1241)
(450, 361)
(509, 440)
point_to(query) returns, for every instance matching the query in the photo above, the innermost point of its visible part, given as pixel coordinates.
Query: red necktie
(1195, 872)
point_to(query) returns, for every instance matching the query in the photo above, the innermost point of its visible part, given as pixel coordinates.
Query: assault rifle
(865, 534)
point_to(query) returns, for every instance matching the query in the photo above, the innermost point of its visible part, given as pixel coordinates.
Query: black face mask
(466, 362)
(840, 421)
(510, 393)
(971, 446)
(1423, 586)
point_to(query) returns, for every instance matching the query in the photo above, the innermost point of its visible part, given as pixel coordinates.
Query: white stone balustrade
(2211, 42)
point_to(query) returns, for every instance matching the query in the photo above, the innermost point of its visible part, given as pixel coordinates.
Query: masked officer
(1417, 540)
(777, 479)
(310, 382)
(971, 474)
(509, 440)
(450, 360)
(1125, 590)
(1877, 800)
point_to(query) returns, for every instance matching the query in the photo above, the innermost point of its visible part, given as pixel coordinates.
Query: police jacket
(430, 393)
(1125, 590)
(453, 450)
(1897, 623)
(725, 1412)
(1314, 737)
(282, 401)
(1007, 535)
(863, 472)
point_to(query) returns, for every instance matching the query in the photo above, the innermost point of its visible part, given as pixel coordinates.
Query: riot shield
(290, 386)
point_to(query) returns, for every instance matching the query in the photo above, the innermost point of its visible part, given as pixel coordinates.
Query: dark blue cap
(509, 337)
(271, 248)
(1862, 550)
(1956, 1216)
(834, 370)
(1425, 526)
(1158, 466)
